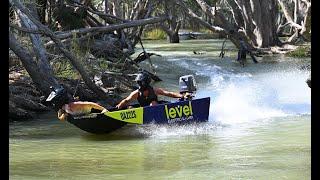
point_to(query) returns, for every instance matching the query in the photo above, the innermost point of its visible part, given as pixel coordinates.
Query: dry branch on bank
(97, 46)
(110, 28)
(85, 76)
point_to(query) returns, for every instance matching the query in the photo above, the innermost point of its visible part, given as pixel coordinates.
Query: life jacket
(146, 100)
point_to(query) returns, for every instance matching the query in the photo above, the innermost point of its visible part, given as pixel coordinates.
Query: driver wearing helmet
(145, 94)
(65, 105)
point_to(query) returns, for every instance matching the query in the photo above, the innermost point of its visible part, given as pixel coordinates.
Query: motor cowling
(187, 84)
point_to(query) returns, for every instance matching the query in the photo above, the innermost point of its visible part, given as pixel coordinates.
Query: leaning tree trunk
(76, 64)
(85, 76)
(41, 79)
(40, 52)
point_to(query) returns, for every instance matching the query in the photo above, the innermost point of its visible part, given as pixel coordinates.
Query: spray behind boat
(187, 86)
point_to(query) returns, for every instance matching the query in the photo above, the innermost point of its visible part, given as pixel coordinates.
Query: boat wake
(244, 97)
(241, 98)
(165, 131)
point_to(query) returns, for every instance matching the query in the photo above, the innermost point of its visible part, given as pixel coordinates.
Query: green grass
(300, 52)
(63, 69)
(205, 30)
(155, 34)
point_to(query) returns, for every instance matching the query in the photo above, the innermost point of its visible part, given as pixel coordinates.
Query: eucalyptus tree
(253, 21)
(173, 24)
(297, 16)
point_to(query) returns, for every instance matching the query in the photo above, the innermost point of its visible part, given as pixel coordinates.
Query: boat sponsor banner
(196, 110)
(179, 112)
(134, 115)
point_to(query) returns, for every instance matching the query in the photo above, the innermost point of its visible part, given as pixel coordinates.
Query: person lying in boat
(66, 105)
(78, 108)
(146, 94)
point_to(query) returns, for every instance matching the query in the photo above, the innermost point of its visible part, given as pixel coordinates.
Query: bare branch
(111, 28)
(27, 30)
(285, 11)
(236, 12)
(199, 19)
(62, 48)
(134, 10)
(210, 11)
(111, 18)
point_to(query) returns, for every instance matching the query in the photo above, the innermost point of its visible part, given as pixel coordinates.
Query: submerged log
(143, 56)
(25, 101)
(24, 98)
(16, 113)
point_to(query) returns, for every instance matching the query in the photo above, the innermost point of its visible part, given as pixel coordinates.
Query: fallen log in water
(24, 98)
(26, 101)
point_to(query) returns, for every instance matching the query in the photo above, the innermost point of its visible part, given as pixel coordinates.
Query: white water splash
(290, 86)
(154, 130)
(240, 97)
(241, 104)
(249, 98)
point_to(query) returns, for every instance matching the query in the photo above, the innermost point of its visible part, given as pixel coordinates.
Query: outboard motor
(188, 85)
(58, 97)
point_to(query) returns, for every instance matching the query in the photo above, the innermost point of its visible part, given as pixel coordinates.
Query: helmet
(143, 79)
(58, 97)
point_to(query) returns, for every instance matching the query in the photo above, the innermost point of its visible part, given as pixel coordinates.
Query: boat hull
(179, 112)
(96, 123)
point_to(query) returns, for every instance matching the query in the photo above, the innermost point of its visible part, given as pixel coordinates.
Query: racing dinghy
(180, 112)
(100, 121)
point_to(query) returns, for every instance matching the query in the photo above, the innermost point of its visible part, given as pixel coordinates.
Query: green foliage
(155, 34)
(64, 69)
(300, 52)
(75, 48)
(205, 30)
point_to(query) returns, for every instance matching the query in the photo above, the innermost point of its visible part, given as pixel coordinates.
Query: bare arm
(163, 92)
(124, 102)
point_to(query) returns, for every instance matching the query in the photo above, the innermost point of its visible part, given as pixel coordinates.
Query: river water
(259, 126)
